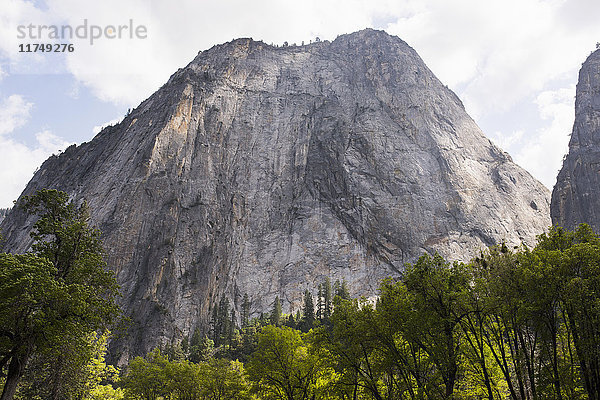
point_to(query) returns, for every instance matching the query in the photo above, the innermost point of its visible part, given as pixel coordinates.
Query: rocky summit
(263, 170)
(576, 195)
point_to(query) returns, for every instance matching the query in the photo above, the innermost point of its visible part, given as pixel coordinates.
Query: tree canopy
(53, 297)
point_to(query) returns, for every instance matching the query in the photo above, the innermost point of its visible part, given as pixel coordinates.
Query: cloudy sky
(514, 63)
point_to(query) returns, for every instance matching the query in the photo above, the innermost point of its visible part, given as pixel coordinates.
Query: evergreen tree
(320, 303)
(214, 323)
(195, 347)
(341, 289)
(174, 351)
(202, 348)
(57, 295)
(276, 312)
(327, 298)
(308, 319)
(290, 321)
(231, 328)
(185, 346)
(246, 311)
(221, 322)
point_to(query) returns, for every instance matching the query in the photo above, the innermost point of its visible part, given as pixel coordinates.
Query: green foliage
(201, 347)
(341, 290)
(223, 323)
(246, 311)
(276, 312)
(353, 352)
(53, 299)
(519, 324)
(70, 372)
(146, 377)
(157, 377)
(283, 366)
(308, 313)
(512, 324)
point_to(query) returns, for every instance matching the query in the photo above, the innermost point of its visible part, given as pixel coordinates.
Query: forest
(512, 323)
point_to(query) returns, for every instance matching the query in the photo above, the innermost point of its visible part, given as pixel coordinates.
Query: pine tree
(185, 346)
(215, 324)
(290, 321)
(195, 347)
(262, 320)
(320, 307)
(246, 311)
(224, 321)
(327, 298)
(308, 320)
(276, 312)
(174, 351)
(231, 330)
(206, 350)
(341, 289)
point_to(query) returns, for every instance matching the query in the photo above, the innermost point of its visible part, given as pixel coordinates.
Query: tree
(223, 380)
(156, 377)
(283, 367)
(276, 312)
(424, 310)
(146, 377)
(308, 318)
(202, 348)
(222, 322)
(77, 373)
(353, 346)
(246, 311)
(174, 351)
(341, 289)
(327, 299)
(319, 312)
(576, 260)
(59, 293)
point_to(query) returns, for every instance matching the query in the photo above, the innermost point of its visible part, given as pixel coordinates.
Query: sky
(513, 63)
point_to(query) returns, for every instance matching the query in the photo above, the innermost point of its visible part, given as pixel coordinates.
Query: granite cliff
(262, 170)
(576, 195)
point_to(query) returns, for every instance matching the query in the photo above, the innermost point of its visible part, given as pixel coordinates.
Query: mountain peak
(263, 170)
(576, 195)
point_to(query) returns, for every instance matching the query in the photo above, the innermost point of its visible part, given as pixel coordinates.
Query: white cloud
(127, 71)
(509, 48)
(17, 160)
(96, 129)
(507, 141)
(14, 113)
(18, 163)
(20, 12)
(541, 154)
(495, 54)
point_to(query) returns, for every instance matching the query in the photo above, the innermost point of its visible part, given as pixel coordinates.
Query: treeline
(511, 324)
(226, 339)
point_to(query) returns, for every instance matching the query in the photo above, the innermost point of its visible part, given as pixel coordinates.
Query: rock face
(263, 170)
(576, 196)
